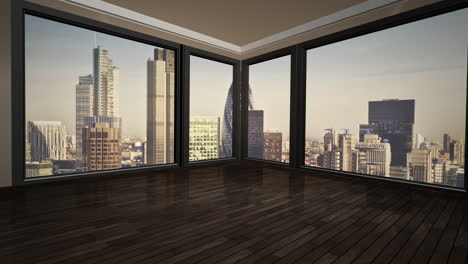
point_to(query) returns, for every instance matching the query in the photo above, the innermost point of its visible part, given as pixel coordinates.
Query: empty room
(210, 131)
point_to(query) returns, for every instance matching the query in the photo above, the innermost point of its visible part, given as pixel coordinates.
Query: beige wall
(5, 94)
(390, 10)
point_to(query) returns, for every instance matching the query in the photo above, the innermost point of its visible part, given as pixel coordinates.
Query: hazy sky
(209, 86)
(56, 54)
(270, 84)
(424, 60)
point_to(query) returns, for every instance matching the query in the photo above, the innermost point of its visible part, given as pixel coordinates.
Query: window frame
(190, 51)
(288, 51)
(19, 10)
(407, 17)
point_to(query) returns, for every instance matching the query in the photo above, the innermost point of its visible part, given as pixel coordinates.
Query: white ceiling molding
(347, 13)
(123, 13)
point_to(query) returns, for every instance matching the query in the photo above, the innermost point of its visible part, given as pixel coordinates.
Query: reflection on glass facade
(268, 114)
(392, 103)
(211, 109)
(95, 102)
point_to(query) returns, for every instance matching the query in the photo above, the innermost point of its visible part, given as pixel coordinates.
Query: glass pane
(210, 109)
(392, 103)
(94, 101)
(269, 104)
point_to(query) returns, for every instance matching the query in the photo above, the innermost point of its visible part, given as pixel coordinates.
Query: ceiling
(238, 22)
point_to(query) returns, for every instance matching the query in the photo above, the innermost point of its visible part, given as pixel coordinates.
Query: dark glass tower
(226, 146)
(393, 120)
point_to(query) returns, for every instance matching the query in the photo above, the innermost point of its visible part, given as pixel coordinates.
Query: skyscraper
(374, 156)
(101, 150)
(273, 143)
(457, 152)
(420, 165)
(255, 134)
(160, 108)
(84, 107)
(346, 143)
(447, 141)
(329, 140)
(226, 146)
(47, 139)
(393, 120)
(106, 84)
(204, 138)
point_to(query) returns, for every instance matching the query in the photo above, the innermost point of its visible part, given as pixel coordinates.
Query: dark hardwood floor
(237, 213)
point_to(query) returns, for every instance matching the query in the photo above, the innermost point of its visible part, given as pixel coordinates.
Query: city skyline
(405, 62)
(47, 69)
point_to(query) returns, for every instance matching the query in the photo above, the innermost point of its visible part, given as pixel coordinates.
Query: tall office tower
(226, 146)
(447, 141)
(418, 140)
(272, 146)
(329, 141)
(84, 107)
(255, 134)
(420, 165)
(47, 139)
(346, 143)
(114, 122)
(106, 84)
(457, 152)
(364, 129)
(166, 55)
(101, 150)
(204, 138)
(160, 108)
(374, 156)
(438, 171)
(37, 169)
(393, 120)
(332, 160)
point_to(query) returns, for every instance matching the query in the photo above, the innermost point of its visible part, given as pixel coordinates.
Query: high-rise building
(47, 139)
(346, 143)
(418, 140)
(438, 171)
(457, 152)
(374, 156)
(447, 141)
(332, 160)
(272, 146)
(101, 147)
(160, 108)
(37, 169)
(255, 134)
(420, 165)
(106, 84)
(329, 140)
(204, 138)
(84, 107)
(393, 120)
(226, 142)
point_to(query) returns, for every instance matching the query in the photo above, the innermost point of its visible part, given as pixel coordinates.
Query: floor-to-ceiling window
(392, 103)
(94, 101)
(211, 109)
(269, 109)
